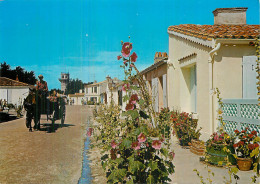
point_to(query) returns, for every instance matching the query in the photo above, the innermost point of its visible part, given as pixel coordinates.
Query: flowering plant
(185, 127)
(134, 149)
(246, 144)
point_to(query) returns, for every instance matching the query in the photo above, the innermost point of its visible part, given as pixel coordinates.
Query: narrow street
(41, 157)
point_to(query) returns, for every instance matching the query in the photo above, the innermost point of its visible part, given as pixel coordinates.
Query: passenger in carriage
(54, 99)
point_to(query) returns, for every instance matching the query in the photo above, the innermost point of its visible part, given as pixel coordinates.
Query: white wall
(14, 95)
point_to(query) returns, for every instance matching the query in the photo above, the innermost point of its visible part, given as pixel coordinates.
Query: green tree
(23, 76)
(74, 86)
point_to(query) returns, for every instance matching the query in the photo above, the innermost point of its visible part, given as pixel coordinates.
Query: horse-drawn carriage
(37, 104)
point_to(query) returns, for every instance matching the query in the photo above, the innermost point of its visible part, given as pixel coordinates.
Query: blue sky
(83, 36)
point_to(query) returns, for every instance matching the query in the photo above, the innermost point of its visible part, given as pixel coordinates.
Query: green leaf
(135, 166)
(130, 181)
(150, 179)
(136, 88)
(104, 157)
(104, 165)
(141, 102)
(234, 170)
(126, 143)
(255, 152)
(133, 113)
(153, 165)
(125, 98)
(164, 151)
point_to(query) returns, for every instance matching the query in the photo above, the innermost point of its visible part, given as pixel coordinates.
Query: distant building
(76, 99)
(13, 91)
(64, 80)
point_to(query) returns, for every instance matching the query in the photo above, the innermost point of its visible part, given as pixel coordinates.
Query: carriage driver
(42, 88)
(41, 85)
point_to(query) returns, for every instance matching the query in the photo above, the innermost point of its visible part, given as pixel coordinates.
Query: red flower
(126, 49)
(175, 119)
(241, 143)
(244, 137)
(129, 106)
(236, 131)
(136, 145)
(133, 57)
(251, 146)
(113, 144)
(250, 135)
(243, 131)
(133, 99)
(256, 145)
(235, 145)
(119, 57)
(141, 137)
(125, 86)
(156, 144)
(254, 132)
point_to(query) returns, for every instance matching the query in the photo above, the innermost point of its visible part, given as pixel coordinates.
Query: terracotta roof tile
(217, 31)
(10, 82)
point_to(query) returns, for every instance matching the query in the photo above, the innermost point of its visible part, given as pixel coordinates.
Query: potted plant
(219, 148)
(247, 148)
(197, 146)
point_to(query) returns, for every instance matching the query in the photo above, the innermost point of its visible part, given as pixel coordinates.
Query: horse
(32, 105)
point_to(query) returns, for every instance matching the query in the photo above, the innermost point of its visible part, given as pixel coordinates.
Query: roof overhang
(207, 43)
(154, 66)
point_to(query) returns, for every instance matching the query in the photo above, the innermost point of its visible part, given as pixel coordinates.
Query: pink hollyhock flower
(129, 107)
(147, 145)
(119, 57)
(113, 144)
(136, 145)
(125, 87)
(156, 144)
(134, 97)
(133, 57)
(126, 49)
(131, 65)
(141, 137)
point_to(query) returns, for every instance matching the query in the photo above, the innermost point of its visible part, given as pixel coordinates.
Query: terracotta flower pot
(244, 164)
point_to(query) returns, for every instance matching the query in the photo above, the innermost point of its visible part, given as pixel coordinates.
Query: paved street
(40, 157)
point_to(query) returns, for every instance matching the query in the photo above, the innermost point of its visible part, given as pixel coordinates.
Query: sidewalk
(185, 162)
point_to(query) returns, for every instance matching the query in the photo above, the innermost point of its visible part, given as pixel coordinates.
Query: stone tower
(64, 80)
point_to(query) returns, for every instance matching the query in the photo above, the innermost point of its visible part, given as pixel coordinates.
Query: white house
(76, 99)
(13, 91)
(206, 57)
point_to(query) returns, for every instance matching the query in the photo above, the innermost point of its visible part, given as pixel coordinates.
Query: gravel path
(40, 157)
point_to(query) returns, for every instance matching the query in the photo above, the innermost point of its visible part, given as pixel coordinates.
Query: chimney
(160, 56)
(17, 79)
(230, 15)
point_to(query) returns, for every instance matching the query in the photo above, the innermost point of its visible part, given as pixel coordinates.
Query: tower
(64, 80)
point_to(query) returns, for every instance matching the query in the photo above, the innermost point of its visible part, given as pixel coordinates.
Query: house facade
(156, 80)
(13, 91)
(205, 57)
(76, 99)
(92, 92)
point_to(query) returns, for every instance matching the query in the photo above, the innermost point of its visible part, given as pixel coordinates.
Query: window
(95, 89)
(92, 89)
